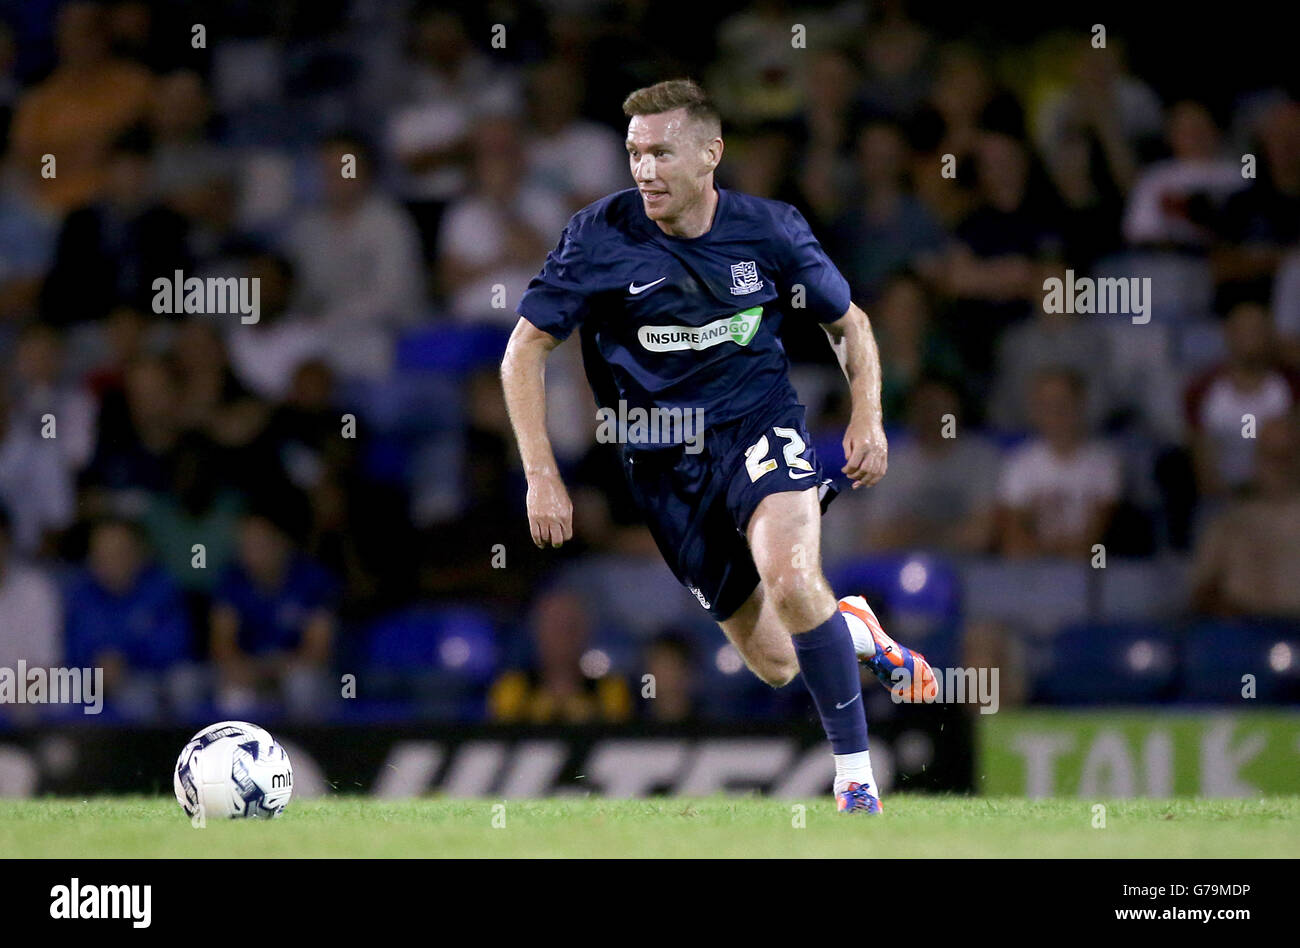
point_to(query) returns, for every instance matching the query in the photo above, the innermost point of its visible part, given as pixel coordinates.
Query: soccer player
(677, 288)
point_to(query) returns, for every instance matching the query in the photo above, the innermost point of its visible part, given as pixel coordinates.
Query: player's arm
(866, 451)
(523, 378)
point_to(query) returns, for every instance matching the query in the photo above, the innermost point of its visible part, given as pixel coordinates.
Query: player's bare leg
(761, 638)
(785, 540)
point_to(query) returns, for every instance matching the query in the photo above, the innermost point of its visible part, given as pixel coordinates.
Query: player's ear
(713, 152)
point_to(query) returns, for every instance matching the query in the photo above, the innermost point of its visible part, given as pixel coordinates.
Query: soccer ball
(233, 770)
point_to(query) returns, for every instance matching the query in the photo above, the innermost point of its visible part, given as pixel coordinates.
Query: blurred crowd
(202, 506)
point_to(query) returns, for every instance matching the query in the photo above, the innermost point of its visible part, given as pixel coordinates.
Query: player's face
(672, 161)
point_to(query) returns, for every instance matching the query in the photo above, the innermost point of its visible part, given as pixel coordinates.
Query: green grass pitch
(664, 827)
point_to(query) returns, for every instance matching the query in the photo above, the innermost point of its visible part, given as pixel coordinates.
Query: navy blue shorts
(698, 505)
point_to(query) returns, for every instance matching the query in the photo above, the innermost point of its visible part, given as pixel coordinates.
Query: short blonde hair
(675, 94)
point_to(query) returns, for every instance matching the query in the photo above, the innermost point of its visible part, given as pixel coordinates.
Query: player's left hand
(866, 452)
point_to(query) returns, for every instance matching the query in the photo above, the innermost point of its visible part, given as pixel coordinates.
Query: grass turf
(711, 827)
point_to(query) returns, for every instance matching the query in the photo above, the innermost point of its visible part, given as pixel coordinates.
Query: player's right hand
(550, 512)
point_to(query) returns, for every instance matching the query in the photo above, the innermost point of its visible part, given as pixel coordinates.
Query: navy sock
(830, 670)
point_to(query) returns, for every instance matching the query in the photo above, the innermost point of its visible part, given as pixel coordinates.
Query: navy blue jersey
(686, 323)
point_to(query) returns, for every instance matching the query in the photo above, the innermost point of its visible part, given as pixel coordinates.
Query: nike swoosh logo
(634, 289)
(841, 707)
(794, 476)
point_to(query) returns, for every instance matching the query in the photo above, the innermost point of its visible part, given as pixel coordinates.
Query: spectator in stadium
(138, 427)
(826, 129)
(1059, 491)
(1091, 197)
(669, 660)
(1286, 309)
(209, 396)
(190, 171)
(606, 518)
(450, 85)
(1107, 105)
(755, 75)
(563, 685)
(963, 102)
(1262, 222)
(1247, 560)
(886, 228)
(1047, 341)
(123, 338)
(994, 268)
(265, 355)
(199, 509)
(273, 622)
(41, 393)
(125, 615)
(1176, 202)
(309, 454)
(1226, 405)
(27, 237)
(912, 344)
(31, 615)
(36, 484)
(112, 250)
(499, 233)
(896, 57)
(579, 160)
(941, 491)
(760, 162)
(75, 114)
(490, 509)
(357, 261)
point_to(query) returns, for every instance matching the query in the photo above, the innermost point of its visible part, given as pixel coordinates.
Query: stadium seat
(919, 593)
(1138, 589)
(635, 595)
(1040, 595)
(456, 638)
(1115, 663)
(439, 659)
(451, 349)
(405, 403)
(1219, 653)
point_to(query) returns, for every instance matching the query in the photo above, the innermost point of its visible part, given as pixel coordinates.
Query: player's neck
(696, 220)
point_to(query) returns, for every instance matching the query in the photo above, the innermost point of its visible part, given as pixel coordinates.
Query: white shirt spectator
(35, 486)
(1286, 298)
(361, 276)
(31, 618)
(474, 232)
(583, 161)
(938, 489)
(264, 357)
(75, 413)
(1148, 218)
(440, 114)
(1060, 492)
(1216, 408)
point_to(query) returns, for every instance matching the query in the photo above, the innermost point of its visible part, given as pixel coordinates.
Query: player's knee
(777, 669)
(799, 596)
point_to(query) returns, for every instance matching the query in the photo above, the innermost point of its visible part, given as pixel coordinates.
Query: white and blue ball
(233, 770)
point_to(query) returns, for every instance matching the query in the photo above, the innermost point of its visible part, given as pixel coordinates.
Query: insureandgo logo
(23, 685)
(739, 329)
(103, 901)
